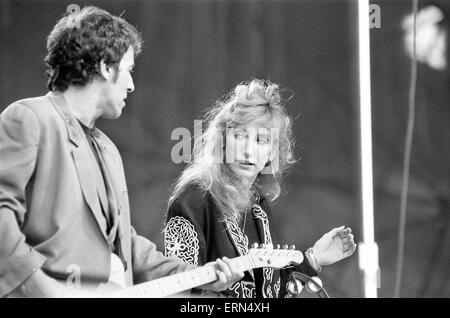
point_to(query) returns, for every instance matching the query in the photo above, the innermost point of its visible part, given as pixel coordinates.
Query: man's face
(118, 86)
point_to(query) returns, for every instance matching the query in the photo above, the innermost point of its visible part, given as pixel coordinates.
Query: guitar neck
(180, 282)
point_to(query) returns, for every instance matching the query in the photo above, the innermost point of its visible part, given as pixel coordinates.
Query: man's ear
(105, 71)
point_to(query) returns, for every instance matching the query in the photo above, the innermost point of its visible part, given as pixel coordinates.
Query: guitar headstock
(268, 256)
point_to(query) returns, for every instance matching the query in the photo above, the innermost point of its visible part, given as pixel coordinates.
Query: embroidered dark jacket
(195, 233)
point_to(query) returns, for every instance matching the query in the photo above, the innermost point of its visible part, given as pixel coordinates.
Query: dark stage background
(196, 51)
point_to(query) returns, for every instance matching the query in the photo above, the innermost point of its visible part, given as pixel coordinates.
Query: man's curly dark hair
(79, 41)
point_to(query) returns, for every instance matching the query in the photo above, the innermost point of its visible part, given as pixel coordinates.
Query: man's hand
(334, 246)
(227, 272)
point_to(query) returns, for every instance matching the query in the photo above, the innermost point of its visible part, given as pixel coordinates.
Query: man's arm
(149, 264)
(19, 140)
(40, 285)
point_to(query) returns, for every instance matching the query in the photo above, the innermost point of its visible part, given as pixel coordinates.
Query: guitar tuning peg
(292, 247)
(278, 246)
(255, 245)
(285, 246)
(269, 246)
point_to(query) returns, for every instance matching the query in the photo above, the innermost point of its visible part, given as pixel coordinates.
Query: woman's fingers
(224, 268)
(236, 272)
(350, 251)
(222, 277)
(345, 232)
(227, 273)
(347, 237)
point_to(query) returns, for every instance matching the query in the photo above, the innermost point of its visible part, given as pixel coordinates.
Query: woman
(220, 203)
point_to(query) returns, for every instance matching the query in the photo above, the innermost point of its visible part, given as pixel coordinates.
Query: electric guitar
(174, 284)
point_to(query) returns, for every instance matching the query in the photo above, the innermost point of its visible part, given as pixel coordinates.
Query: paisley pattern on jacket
(181, 240)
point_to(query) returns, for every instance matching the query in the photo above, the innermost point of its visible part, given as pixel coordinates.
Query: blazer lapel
(119, 207)
(87, 186)
(79, 155)
(113, 176)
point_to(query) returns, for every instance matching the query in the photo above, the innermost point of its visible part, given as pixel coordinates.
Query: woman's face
(248, 149)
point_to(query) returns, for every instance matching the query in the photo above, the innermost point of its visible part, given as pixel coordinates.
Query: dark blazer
(196, 232)
(50, 216)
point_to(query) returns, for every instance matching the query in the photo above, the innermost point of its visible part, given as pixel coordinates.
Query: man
(64, 213)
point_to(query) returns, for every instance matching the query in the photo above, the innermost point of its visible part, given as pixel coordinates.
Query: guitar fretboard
(180, 282)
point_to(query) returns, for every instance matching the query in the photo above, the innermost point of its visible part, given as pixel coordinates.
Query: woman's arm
(184, 232)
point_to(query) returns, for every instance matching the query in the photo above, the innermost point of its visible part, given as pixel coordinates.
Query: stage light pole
(368, 249)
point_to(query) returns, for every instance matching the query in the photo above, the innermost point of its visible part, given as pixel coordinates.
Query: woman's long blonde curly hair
(257, 102)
